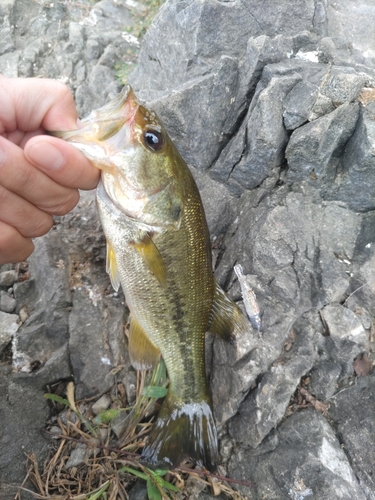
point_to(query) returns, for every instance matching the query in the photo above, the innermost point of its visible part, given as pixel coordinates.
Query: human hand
(39, 175)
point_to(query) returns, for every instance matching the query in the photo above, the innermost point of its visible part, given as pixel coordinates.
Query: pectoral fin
(143, 353)
(152, 257)
(227, 319)
(111, 268)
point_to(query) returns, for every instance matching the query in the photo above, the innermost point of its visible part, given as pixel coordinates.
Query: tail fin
(182, 431)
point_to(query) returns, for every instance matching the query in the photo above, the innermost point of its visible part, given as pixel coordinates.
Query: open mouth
(103, 131)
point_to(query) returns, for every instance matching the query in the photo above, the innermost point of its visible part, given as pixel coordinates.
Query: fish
(158, 251)
(249, 299)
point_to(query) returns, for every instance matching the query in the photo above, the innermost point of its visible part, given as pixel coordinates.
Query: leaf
(156, 476)
(56, 398)
(169, 486)
(106, 416)
(153, 391)
(152, 491)
(160, 472)
(70, 396)
(135, 472)
(100, 492)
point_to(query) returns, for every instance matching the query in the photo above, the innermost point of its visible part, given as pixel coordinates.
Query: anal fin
(227, 319)
(152, 257)
(111, 268)
(143, 353)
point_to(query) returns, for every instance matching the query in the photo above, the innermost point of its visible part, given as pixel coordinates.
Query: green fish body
(158, 250)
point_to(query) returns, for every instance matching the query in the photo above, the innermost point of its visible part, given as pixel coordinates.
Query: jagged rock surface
(274, 110)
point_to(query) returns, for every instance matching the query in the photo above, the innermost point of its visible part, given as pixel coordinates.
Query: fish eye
(153, 139)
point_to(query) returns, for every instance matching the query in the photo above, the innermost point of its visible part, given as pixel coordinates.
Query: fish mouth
(102, 132)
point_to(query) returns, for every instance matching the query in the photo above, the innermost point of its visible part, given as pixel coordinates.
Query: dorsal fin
(111, 268)
(143, 353)
(152, 257)
(227, 319)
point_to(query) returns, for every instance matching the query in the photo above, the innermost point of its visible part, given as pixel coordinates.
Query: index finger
(30, 103)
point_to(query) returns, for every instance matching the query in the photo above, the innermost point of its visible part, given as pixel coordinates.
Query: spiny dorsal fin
(111, 268)
(152, 257)
(227, 319)
(143, 353)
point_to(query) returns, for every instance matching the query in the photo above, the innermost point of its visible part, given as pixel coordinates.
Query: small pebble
(101, 405)
(23, 315)
(7, 303)
(56, 430)
(8, 278)
(72, 417)
(77, 456)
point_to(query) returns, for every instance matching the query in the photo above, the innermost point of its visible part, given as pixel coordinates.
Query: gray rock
(77, 455)
(305, 461)
(93, 49)
(120, 423)
(352, 411)
(24, 293)
(46, 329)
(299, 102)
(354, 25)
(101, 404)
(108, 15)
(217, 202)
(266, 136)
(343, 85)
(9, 324)
(23, 407)
(76, 36)
(9, 64)
(355, 180)
(8, 278)
(324, 380)
(315, 148)
(199, 33)
(343, 325)
(265, 406)
(95, 339)
(138, 491)
(6, 42)
(7, 303)
(340, 85)
(222, 96)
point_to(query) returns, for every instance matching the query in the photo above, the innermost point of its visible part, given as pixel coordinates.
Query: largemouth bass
(158, 250)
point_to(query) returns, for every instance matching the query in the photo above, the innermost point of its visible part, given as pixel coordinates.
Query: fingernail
(46, 156)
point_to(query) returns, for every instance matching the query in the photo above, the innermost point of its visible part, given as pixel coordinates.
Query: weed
(110, 464)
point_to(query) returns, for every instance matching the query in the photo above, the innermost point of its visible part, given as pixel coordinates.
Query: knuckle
(62, 92)
(66, 204)
(40, 226)
(13, 247)
(60, 204)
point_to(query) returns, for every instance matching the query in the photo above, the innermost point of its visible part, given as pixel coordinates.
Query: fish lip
(109, 110)
(122, 109)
